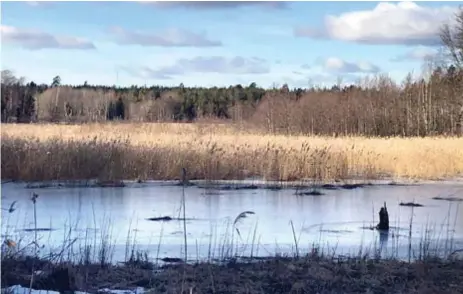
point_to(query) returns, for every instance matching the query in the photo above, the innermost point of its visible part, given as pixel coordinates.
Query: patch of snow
(17, 289)
(138, 290)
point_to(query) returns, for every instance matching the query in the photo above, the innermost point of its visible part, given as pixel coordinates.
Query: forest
(379, 108)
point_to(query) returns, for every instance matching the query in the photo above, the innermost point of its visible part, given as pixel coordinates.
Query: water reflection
(383, 239)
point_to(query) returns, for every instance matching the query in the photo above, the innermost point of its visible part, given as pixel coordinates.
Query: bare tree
(8, 78)
(452, 38)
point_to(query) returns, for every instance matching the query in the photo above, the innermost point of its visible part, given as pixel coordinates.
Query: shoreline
(249, 184)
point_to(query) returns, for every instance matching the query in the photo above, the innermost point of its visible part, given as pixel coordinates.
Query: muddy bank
(226, 185)
(310, 274)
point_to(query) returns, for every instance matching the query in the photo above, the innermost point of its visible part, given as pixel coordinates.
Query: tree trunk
(459, 125)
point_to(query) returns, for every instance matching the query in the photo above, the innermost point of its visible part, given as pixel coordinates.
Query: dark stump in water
(383, 219)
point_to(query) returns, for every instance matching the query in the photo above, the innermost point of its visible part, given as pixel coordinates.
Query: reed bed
(157, 151)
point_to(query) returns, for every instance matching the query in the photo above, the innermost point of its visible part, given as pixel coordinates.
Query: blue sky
(219, 43)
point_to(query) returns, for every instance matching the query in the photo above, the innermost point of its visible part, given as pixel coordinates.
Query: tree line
(380, 107)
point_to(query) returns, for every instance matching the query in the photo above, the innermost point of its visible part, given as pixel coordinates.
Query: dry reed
(158, 151)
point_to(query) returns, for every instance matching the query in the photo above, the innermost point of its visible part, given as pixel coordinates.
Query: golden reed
(215, 151)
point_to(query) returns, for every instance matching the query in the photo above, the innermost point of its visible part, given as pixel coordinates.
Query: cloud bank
(173, 37)
(417, 54)
(335, 65)
(33, 39)
(404, 23)
(202, 64)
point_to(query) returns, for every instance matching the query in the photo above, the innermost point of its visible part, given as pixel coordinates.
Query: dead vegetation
(309, 274)
(119, 151)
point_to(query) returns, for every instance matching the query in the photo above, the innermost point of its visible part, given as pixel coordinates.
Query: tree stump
(383, 219)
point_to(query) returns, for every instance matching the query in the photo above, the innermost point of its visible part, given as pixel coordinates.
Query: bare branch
(452, 38)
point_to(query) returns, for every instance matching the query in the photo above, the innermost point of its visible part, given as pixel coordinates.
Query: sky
(217, 43)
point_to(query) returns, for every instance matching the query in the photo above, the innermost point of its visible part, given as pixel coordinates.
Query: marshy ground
(155, 151)
(114, 151)
(310, 274)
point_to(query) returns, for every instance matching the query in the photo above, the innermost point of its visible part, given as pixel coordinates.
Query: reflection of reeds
(159, 151)
(34, 201)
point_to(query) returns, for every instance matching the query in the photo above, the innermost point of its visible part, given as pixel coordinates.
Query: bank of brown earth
(274, 275)
(149, 152)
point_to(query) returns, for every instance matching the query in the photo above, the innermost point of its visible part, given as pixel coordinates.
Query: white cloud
(38, 3)
(145, 72)
(173, 37)
(388, 23)
(33, 3)
(202, 64)
(33, 39)
(327, 72)
(417, 54)
(335, 65)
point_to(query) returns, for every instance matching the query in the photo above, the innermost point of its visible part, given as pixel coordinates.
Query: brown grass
(159, 151)
(311, 274)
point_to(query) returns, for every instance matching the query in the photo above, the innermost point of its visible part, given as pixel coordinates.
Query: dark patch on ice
(309, 193)
(336, 231)
(39, 230)
(330, 187)
(167, 218)
(451, 199)
(410, 204)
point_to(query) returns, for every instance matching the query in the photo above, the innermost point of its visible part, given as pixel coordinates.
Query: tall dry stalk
(410, 232)
(34, 201)
(184, 181)
(241, 216)
(295, 239)
(238, 218)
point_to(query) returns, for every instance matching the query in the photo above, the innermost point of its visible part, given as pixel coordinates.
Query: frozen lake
(336, 221)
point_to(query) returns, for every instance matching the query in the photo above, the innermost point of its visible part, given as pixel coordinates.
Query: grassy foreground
(310, 274)
(158, 151)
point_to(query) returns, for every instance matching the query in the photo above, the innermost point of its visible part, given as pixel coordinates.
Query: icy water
(336, 221)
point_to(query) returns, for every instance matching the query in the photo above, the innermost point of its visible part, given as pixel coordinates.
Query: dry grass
(309, 274)
(159, 151)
